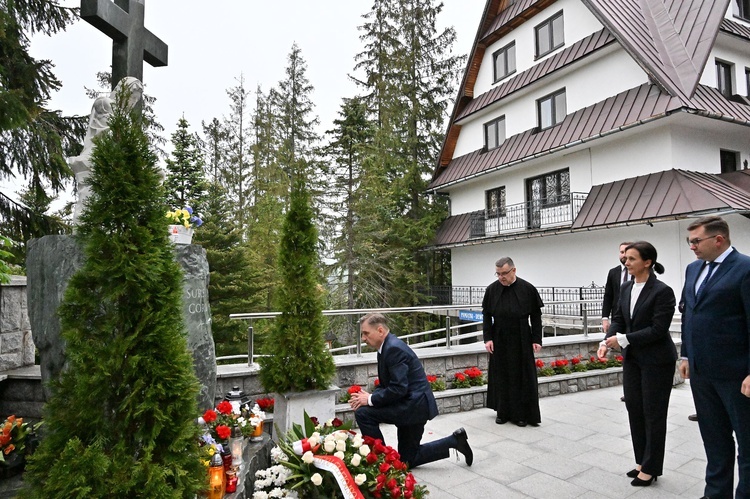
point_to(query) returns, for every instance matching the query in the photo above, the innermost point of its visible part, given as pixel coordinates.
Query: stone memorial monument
(52, 260)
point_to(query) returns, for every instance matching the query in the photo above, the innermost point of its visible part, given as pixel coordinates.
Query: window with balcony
(549, 35)
(724, 78)
(495, 202)
(494, 133)
(551, 109)
(730, 160)
(505, 61)
(741, 8)
(550, 189)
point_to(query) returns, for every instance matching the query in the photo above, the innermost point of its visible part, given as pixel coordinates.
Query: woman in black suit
(640, 326)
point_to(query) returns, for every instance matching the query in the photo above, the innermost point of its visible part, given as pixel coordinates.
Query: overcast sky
(212, 42)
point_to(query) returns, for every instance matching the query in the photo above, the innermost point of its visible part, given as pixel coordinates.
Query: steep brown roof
(669, 39)
(741, 179)
(575, 52)
(454, 229)
(620, 112)
(661, 195)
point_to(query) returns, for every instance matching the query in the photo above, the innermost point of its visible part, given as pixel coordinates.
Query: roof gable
(670, 39)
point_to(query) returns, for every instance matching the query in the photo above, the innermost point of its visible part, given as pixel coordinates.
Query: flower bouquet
(182, 222)
(219, 421)
(351, 391)
(436, 384)
(461, 380)
(13, 435)
(475, 376)
(334, 462)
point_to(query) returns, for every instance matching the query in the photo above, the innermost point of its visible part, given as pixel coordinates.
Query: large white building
(583, 123)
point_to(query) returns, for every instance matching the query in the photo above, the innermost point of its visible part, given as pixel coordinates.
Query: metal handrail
(449, 329)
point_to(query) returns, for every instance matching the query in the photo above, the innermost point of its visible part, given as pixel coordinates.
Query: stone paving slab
(582, 449)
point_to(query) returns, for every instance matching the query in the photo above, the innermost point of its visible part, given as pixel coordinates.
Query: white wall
(578, 23)
(585, 257)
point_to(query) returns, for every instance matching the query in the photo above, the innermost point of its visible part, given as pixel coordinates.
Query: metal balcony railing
(528, 216)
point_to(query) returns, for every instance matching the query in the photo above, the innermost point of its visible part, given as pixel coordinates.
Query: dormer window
(549, 35)
(551, 109)
(724, 78)
(742, 9)
(505, 61)
(494, 133)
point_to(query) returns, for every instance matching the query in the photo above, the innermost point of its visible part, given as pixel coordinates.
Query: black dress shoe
(637, 482)
(500, 420)
(694, 417)
(622, 399)
(632, 473)
(462, 445)
(521, 423)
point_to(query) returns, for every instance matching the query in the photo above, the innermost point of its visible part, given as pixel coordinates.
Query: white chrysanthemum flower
(278, 455)
(260, 495)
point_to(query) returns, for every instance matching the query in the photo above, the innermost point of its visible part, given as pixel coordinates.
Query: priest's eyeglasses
(698, 240)
(503, 274)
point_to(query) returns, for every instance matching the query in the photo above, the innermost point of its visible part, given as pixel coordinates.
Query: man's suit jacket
(716, 324)
(403, 388)
(612, 291)
(647, 330)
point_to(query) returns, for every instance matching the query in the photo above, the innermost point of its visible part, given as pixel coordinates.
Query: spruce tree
(185, 183)
(297, 356)
(120, 422)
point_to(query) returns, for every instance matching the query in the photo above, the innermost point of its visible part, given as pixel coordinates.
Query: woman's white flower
(329, 446)
(339, 455)
(316, 479)
(360, 479)
(341, 445)
(308, 457)
(364, 450)
(356, 459)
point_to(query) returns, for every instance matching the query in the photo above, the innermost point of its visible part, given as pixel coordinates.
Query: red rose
(223, 431)
(392, 483)
(396, 493)
(380, 478)
(368, 440)
(384, 467)
(399, 465)
(407, 494)
(314, 420)
(336, 422)
(379, 448)
(224, 407)
(354, 389)
(377, 494)
(371, 458)
(377, 382)
(209, 416)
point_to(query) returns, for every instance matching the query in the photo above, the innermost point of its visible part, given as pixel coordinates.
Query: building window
(747, 82)
(742, 9)
(550, 189)
(495, 202)
(730, 160)
(549, 35)
(505, 61)
(551, 109)
(494, 133)
(724, 78)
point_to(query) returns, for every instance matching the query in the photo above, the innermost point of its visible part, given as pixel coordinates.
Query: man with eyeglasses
(716, 352)
(512, 331)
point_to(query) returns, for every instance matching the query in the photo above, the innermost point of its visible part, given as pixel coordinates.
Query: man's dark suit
(612, 291)
(648, 367)
(404, 398)
(716, 342)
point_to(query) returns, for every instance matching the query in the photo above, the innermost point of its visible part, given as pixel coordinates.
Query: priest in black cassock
(512, 333)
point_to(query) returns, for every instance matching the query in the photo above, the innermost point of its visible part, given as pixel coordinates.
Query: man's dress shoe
(462, 445)
(521, 423)
(500, 420)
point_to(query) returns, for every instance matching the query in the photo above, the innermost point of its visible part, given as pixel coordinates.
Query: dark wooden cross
(132, 43)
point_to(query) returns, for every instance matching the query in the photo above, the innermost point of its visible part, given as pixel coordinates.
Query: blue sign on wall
(470, 315)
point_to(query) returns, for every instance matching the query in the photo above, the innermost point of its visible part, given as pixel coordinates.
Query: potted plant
(181, 228)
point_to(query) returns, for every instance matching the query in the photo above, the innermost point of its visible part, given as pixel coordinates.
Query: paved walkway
(581, 449)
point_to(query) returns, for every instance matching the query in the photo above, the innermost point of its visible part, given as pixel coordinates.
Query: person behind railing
(512, 331)
(640, 326)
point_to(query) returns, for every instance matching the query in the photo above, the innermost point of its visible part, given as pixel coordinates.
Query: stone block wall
(16, 342)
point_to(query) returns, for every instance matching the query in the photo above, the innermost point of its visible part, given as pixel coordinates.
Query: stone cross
(132, 43)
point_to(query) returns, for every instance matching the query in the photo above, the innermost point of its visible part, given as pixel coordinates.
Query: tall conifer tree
(185, 182)
(120, 422)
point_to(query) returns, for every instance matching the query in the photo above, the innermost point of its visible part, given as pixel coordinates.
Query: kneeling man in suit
(403, 398)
